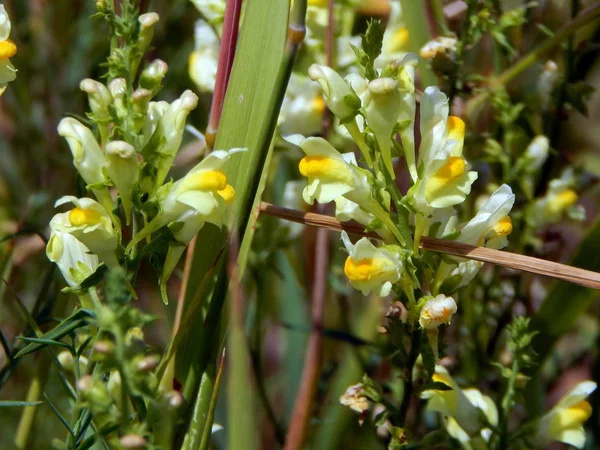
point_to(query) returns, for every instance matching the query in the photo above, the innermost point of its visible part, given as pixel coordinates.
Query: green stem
(421, 229)
(25, 429)
(408, 381)
(359, 139)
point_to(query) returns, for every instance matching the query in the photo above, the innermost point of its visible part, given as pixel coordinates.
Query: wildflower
(382, 106)
(203, 60)
(330, 174)
(123, 169)
(186, 205)
(89, 223)
(560, 199)
(442, 45)
(536, 154)
(346, 210)
(444, 177)
(66, 360)
(303, 107)
(371, 269)
(8, 49)
(212, 10)
(74, 260)
(491, 224)
(99, 98)
(437, 311)
(461, 409)
(147, 22)
(355, 399)
(408, 106)
(564, 422)
(87, 158)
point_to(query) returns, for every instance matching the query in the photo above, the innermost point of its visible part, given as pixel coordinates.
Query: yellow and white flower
(186, 205)
(437, 311)
(444, 178)
(491, 224)
(330, 174)
(89, 223)
(303, 107)
(564, 422)
(408, 107)
(8, 49)
(123, 169)
(560, 199)
(371, 269)
(203, 60)
(395, 38)
(211, 10)
(74, 260)
(461, 410)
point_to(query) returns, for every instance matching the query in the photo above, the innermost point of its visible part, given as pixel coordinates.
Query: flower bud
(118, 90)
(442, 45)
(87, 155)
(152, 76)
(99, 98)
(147, 22)
(536, 154)
(123, 170)
(437, 311)
(171, 127)
(174, 399)
(340, 98)
(66, 360)
(148, 363)
(382, 106)
(133, 441)
(85, 383)
(355, 399)
(140, 100)
(104, 348)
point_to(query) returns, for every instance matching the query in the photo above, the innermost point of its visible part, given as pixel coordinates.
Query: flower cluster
(127, 165)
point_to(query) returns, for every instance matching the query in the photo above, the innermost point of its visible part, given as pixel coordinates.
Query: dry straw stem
(574, 275)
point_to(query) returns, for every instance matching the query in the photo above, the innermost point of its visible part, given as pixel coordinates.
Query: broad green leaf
(249, 115)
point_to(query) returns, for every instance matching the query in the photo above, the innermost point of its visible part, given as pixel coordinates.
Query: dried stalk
(538, 266)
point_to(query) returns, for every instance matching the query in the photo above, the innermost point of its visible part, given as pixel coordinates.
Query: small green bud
(123, 170)
(147, 22)
(152, 76)
(99, 98)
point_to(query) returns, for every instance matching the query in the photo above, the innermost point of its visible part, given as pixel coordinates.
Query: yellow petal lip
(453, 168)
(572, 417)
(503, 227)
(8, 49)
(82, 216)
(319, 3)
(228, 193)
(325, 168)
(318, 105)
(399, 40)
(455, 128)
(365, 269)
(565, 199)
(206, 180)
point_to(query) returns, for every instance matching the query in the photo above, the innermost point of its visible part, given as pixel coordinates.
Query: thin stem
(312, 362)
(515, 261)
(408, 381)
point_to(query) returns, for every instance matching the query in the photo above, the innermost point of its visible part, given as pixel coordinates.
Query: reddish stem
(226, 54)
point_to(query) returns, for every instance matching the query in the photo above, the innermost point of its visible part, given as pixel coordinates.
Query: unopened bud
(104, 347)
(85, 383)
(148, 363)
(99, 98)
(152, 76)
(147, 22)
(175, 399)
(340, 98)
(437, 311)
(133, 441)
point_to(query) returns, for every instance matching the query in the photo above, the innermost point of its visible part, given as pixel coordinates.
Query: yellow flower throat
(365, 269)
(207, 180)
(8, 49)
(83, 216)
(325, 168)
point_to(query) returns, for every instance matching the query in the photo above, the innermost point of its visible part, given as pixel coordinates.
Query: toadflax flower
(561, 198)
(89, 223)
(186, 205)
(330, 174)
(340, 98)
(462, 410)
(74, 260)
(564, 422)
(444, 178)
(371, 269)
(437, 311)
(355, 399)
(8, 49)
(123, 169)
(440, 45)
(395, 38)
(302, 108)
